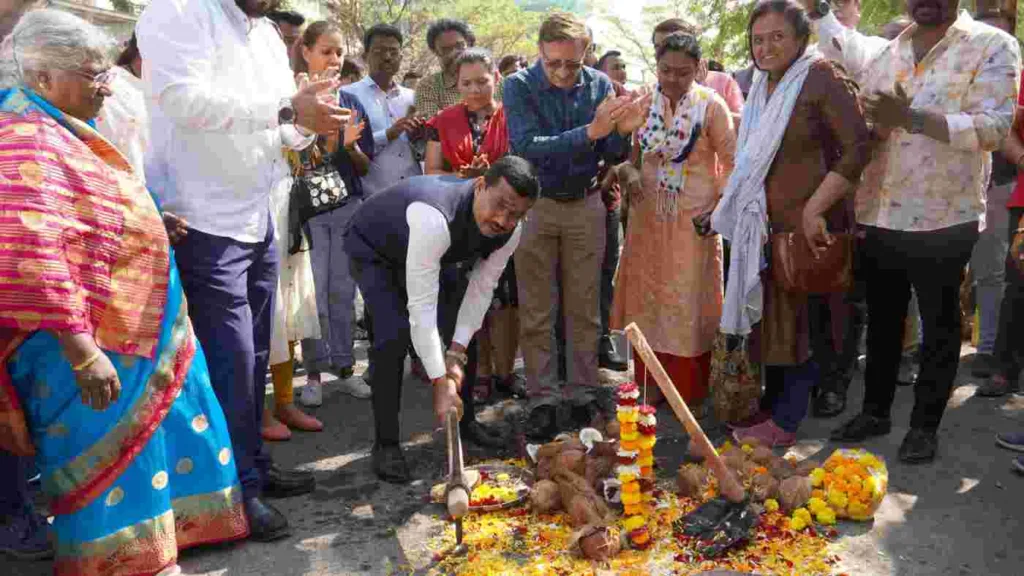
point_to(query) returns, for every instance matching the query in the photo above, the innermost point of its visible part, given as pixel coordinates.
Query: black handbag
(316, 190)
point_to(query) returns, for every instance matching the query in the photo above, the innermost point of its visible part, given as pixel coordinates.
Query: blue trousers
(230, 287)
(335, 292)
(793, 385)
(386, 298)
(14, 494)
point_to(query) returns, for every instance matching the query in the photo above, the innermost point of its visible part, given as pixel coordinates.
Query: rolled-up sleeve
(177, 43)
(848, 47)
(991, 100)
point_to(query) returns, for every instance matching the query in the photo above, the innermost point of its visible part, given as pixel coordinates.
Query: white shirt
(846, 46)
(215, 80)
(429, 239)
(392, 161)
(123, 120)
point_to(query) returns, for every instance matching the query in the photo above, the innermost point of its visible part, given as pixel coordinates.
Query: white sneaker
(311, 395)
(356, 387)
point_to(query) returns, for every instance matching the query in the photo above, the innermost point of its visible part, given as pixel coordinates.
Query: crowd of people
(179, 218)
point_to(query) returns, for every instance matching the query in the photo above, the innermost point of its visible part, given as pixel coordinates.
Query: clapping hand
(477, 168)
(409, 124)
(888, 111)
(353, 130)
(634, 115)
(316, 113)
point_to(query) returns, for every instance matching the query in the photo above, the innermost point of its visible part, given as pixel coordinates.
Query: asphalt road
(958, 516)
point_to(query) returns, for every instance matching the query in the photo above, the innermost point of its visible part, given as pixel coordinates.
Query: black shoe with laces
(389, 464)
(862, 427)
(281, 483)
(542, 423)
(481, 435)
(511, 386)
(919, 446)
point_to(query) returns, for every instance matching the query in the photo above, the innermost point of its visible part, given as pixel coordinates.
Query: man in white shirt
(389, 108)
(409, 249)
(223, 105)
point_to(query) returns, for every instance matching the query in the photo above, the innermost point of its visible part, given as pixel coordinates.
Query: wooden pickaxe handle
(458, 491)
(728, 485)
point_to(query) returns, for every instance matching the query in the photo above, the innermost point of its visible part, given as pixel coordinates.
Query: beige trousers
(568, 237)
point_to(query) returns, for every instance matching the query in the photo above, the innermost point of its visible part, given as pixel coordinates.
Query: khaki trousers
(568, 237)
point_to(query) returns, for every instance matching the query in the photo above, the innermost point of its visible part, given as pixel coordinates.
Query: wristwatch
(821, 9)
(916, 122)
(285, 112)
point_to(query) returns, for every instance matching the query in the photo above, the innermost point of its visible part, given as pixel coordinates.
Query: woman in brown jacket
(802, 145)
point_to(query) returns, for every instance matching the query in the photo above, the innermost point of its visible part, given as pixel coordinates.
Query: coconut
(763, 487)
(690, 481)
(762, 455)
(598, 543)
(545, 497)
(794, 492)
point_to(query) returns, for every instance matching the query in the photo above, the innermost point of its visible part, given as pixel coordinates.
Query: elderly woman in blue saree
(101, 377)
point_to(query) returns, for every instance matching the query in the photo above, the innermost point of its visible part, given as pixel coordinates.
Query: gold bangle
(87, 362)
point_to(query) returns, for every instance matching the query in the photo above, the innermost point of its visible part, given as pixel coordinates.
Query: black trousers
(933, 263)
(1010, 338)
(384, 292)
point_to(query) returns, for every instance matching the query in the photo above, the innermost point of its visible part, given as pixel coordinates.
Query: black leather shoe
(512, 386)
(287, 483)
(266, 523)
(862, 427)
(542, 423)
(919, 447)
(829, 404)
(389, 464)
(481, 435)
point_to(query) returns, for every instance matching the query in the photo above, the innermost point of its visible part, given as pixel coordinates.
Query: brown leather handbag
(795, 268)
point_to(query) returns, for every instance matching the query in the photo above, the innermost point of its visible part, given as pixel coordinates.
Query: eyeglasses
(569, 65)
(98, 79)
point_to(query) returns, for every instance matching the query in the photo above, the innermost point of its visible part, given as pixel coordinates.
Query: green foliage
(500, 25)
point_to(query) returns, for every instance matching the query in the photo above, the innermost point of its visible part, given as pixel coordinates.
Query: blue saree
(152, 474)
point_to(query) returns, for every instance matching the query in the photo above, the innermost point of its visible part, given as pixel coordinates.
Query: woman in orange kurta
(670, 275)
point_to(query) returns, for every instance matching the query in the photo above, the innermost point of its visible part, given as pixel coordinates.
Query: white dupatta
(742, 215)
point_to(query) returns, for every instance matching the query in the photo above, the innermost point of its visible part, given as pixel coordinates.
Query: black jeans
(386, 298)
(933, 264)
(1010, 338)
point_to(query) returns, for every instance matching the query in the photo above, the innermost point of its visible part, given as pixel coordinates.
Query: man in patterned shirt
(940, 98)
(446, 39)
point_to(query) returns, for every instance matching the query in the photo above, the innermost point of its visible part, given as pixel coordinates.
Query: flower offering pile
(851, 484)
(596, 506)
